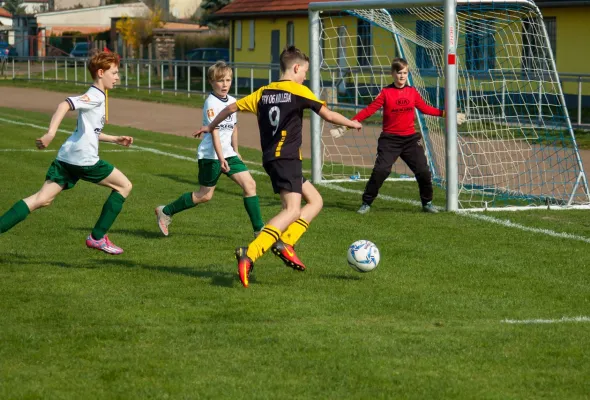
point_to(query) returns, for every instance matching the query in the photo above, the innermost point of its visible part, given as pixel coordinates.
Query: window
(534, 43)
(290, 33)
(238, 35)
(252, 43)
(551, 27)
(480, 47)
(363, 42)
(430, 32)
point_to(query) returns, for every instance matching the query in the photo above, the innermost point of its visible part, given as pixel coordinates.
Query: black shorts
(285, 175)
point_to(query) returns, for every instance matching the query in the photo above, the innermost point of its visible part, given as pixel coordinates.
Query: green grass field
(169, 318)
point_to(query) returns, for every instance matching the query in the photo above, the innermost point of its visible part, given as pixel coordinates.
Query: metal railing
(189, 77)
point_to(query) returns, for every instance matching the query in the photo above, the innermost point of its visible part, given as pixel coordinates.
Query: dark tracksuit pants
(409, 149)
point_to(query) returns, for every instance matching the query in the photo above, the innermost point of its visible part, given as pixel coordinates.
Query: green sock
(112, 207)
(16, 214)
(184, 202)
(252, 206)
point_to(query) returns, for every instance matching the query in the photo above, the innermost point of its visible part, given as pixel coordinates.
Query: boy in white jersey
(223, 141)
(78, 156)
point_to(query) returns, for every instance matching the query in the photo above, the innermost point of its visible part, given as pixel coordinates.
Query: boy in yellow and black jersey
(279, 107)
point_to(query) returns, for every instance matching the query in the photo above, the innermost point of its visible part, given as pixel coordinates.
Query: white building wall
(184, 8)
(96, 16)
(6, 21)
(68, 4)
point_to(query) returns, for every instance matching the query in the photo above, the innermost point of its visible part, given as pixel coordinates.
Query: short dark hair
(398, 64)
(291, 55)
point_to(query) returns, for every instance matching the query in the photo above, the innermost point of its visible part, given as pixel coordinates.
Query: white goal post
(488, 59)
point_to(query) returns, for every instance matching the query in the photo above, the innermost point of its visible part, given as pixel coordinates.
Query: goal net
(517, 148)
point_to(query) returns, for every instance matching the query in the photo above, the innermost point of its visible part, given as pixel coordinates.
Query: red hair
(102, 60)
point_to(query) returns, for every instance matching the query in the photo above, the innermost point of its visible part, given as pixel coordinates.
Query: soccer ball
(363, 256)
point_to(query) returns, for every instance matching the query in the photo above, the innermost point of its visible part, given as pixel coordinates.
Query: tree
(207, 11)
(15, 7)
(138, 32)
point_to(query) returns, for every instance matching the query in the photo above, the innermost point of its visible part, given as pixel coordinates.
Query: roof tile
(264, 6)
(4, 13)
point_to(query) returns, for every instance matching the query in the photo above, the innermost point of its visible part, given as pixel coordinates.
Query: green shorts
(210, 170)
(68, 175)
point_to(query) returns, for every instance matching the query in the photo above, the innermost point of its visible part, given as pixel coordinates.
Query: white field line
(55, 151)
(485, 218)
(545, 321)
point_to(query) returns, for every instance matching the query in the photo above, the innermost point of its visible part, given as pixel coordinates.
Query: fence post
(251, 80)
(75, 71)
(437, 92)
(150, 76)
(175, 78)
(162, 77)
(188, 77)
(29, 68)
(204, 74)
(85, 72)
(579, 100)
(236, 83)
(137, 78)
(540, 100)
(43, 69)
(126, 75)
(66, 69)
(13, 71)
(503, 98)
(356, 89)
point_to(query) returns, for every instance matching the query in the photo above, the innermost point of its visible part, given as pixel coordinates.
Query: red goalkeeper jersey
(398, 109)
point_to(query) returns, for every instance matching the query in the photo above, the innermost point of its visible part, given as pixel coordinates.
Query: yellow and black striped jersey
(279, 107)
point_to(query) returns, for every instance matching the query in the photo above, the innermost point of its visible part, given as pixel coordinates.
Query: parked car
(7, 51)
(211, 54)
(80, 50)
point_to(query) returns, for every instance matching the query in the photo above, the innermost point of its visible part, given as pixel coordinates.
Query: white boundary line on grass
(545, 321)
(55, 151)
(485, 218)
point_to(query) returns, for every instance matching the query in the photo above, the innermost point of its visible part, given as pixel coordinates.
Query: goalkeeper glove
(461, 118)
(338, 131)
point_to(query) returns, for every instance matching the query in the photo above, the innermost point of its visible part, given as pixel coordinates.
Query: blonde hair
(218, 71)
(102, 60)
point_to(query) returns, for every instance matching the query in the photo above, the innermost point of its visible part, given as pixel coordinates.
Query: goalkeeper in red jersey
(399, 138)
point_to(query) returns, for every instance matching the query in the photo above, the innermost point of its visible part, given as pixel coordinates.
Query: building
(32, 6)
(260, 29)
(87, 20)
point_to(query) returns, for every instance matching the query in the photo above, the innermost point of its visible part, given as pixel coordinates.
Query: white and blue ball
(363, 256)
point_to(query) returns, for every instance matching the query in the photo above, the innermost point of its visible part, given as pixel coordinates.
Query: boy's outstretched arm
(58, 116)
(226, 112)
(122, 140)
(338, 119)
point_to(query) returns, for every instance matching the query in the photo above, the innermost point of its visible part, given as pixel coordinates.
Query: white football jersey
(213, 106)
(81, 148)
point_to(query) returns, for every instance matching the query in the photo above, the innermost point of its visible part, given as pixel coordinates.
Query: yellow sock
(294, 231)
(267, 237)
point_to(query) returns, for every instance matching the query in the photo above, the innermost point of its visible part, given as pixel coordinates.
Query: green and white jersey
(81, 148)
(213, 106)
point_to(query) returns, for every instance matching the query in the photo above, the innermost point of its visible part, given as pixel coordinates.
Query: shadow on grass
(155, 234)
(341, 277)
(218, 278)
(193, 184)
